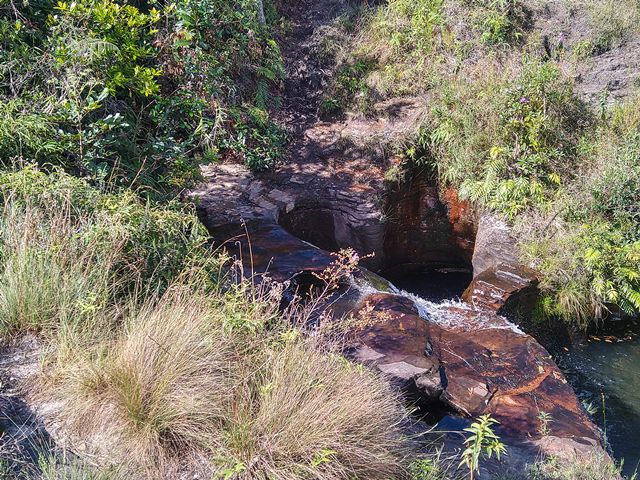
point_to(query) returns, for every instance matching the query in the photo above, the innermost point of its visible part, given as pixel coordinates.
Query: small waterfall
(448, 313)
(459, 315)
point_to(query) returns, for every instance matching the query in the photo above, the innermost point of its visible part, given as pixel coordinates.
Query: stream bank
(455, 356)
(331, 193)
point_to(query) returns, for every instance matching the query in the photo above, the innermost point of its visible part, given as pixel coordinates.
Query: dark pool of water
(435, 285)
(610, 369)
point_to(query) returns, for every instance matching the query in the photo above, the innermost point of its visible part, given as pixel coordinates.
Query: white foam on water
(458, 314)
(446, 313)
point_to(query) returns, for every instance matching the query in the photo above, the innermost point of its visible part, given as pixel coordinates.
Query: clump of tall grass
(160, 389)
(52, 275)
(598, 467)
(211, 383)
(313, 415)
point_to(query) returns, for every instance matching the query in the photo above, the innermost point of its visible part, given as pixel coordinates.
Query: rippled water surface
(610, 368)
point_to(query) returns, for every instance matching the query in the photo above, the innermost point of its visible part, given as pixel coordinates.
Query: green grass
(51, 277)
(599, 467)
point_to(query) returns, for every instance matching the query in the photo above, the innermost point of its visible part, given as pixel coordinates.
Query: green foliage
(509, 131)
(482, 442)
(430, 468)
(156, 243)
(351, 87)
(135, 94)
(500, 21)
(535, 143)
(257, 138)
(544, 420)
(117, 37)
(417, 24)
(589, 250)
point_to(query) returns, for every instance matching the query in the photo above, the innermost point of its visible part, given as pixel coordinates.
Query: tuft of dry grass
(215, 384)
(158, 392)
(314, 415)
(598, 467)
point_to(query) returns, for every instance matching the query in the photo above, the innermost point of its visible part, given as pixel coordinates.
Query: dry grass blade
(159, 392)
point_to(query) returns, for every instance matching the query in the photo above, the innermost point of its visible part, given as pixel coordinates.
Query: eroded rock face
(425, 231)
(500, 282)
(494, 245)
(395, 341)
(510, 290)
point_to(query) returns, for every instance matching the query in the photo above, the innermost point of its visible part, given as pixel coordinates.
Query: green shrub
(499, 21)
(157, 243)
(589, 252)
(133, 95)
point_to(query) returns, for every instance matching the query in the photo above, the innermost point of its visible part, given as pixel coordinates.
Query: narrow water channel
(435, 285)
(605, 372)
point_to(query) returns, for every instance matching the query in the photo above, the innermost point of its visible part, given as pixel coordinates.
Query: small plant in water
(589, 407)
(482, 443)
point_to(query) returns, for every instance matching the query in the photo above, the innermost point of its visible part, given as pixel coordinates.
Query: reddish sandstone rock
(394, 339)
(505, 289)
(425, 231)
(484, 365)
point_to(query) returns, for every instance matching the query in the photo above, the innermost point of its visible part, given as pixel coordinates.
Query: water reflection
(608, 372)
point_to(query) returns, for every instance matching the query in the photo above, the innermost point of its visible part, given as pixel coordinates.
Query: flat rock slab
(486, 366)
(393, 338)
(265, 247)
(504, 288)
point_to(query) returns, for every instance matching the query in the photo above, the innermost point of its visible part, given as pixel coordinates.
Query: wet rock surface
(395, 341)
(465, 359)
(484, 365)
(505, 289)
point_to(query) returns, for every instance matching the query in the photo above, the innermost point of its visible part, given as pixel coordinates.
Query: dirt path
(23, 437)
(337, 164)
(306, 71)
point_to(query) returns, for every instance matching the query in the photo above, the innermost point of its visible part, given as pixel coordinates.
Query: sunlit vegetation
(136, 95)
(508, 128)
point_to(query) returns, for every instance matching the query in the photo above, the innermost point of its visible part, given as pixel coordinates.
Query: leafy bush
(135, 95)
(527, 139)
